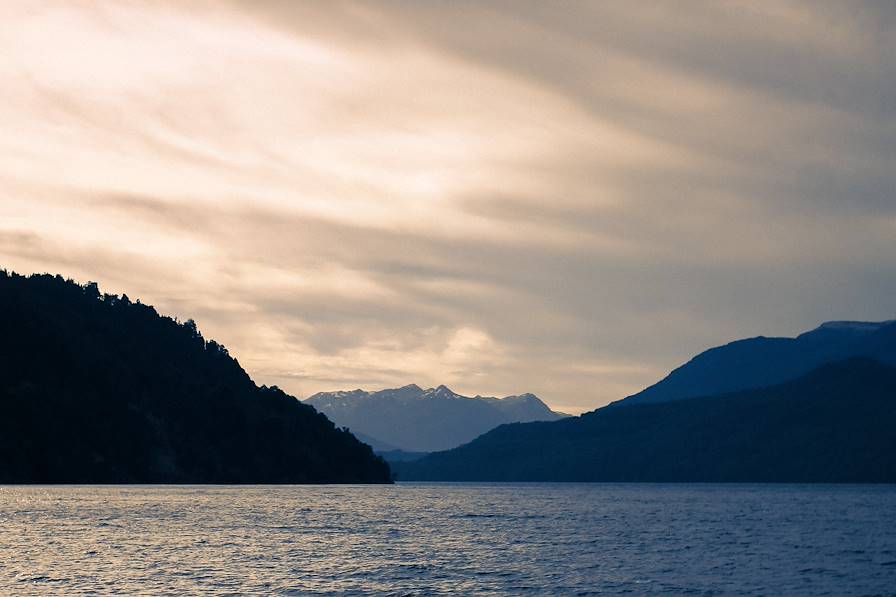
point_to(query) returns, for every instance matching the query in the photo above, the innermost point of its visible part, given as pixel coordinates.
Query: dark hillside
(99, 389)
(836, 424)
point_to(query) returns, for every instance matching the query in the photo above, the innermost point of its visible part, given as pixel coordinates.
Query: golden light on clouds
(499, 197)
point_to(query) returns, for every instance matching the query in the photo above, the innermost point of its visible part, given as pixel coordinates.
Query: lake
(432, 539)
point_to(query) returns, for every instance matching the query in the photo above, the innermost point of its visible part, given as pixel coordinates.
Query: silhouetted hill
(835, 424)
(412, 419)
(98, 389)
(759, 362)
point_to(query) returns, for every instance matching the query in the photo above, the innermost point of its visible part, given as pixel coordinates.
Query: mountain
(412, 419)
(759, 362)
(834, 424)
(378, 446)
(98, 389)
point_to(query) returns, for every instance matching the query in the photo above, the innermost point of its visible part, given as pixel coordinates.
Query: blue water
(432, 539)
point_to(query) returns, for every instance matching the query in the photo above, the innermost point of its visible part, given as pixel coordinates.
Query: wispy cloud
(504, 197)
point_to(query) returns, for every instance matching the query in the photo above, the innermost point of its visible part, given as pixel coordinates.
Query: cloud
(502, 197)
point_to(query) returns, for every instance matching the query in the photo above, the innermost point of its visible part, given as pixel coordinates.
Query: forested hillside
(97, 388)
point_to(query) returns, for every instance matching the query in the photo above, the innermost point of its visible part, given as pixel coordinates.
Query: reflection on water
(448, 539)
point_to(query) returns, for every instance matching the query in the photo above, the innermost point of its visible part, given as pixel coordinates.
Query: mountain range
(95, 388)
(413, 419)
(726, 415)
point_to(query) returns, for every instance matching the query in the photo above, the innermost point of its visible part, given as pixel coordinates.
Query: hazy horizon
(500, 197)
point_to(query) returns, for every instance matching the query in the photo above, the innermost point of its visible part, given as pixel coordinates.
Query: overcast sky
(560, 198)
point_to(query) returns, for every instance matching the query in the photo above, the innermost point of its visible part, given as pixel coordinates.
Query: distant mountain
(834, 424)
(378, 446)
(98, 389)
(412, 419)
(760, 362)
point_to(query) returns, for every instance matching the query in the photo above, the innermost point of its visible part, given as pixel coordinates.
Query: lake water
(431, 539)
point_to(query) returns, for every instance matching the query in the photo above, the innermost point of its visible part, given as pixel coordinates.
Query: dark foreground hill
(98, 389)
(411, 419)
(836, 424)
(760, 362)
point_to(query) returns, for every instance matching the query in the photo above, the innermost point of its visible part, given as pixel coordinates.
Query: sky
(569, 199)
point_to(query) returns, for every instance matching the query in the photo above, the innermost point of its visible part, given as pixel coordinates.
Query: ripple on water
(419, 539)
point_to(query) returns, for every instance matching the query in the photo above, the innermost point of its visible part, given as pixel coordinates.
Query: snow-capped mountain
(414, 419)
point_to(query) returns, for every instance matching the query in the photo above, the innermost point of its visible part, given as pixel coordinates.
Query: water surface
(431, 539)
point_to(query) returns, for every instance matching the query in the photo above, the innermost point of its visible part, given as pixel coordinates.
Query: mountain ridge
(763, 361)
(833, 424)
(414, 419)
